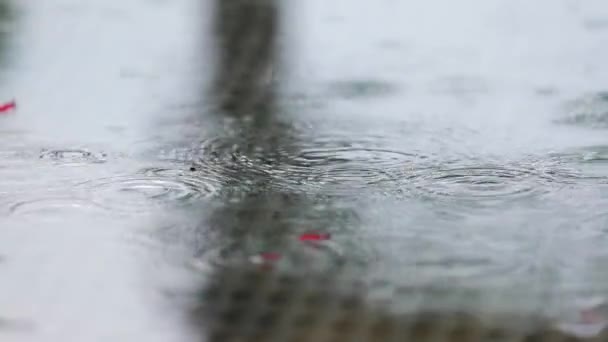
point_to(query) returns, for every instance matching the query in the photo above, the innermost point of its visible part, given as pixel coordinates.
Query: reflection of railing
(6, 20)
(246, 34)
(258, 304)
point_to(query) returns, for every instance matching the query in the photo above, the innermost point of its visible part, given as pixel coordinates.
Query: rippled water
(453, 143)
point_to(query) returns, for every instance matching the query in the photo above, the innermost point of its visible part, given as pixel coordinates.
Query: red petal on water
(8, 106)
(315, 237)
(269, 256)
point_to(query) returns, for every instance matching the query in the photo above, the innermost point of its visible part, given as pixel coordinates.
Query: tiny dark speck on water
(192, 169)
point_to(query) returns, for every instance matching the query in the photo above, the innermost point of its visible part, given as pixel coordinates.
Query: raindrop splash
(73, 156)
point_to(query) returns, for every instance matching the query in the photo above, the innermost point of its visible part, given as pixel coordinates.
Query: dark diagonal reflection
(259, 216)
(246, 37)
(6, 22)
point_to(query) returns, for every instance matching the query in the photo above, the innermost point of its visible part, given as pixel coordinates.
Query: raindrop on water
(73, 156)
(590, 111)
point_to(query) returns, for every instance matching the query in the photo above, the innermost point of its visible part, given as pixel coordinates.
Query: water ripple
(149, 189)
(324, 163)
(591, 162)
(346, 167)
(338, 164)
(452, 253)
(462, 267)
(589, 111)
(489, 182)
(220, 159)
(73, 156)
(52, 205)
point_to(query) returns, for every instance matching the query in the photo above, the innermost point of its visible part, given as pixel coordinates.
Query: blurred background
(438, 142)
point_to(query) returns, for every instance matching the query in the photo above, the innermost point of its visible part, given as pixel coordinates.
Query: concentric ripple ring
(150, 189)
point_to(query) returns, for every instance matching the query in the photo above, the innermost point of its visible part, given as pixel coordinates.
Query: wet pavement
(438, 143)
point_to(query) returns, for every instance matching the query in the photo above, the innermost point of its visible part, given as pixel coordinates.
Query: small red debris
(269, 256)
(8, 106)
(315, 237)
(265, 258)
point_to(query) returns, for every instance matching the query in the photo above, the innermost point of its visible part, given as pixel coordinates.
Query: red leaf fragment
(8, 106)
(269, 256)
(315, 237)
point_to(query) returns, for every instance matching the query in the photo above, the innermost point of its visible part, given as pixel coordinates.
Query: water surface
(437, 142)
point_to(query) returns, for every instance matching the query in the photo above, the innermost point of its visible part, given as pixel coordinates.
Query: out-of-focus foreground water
(437, 141)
